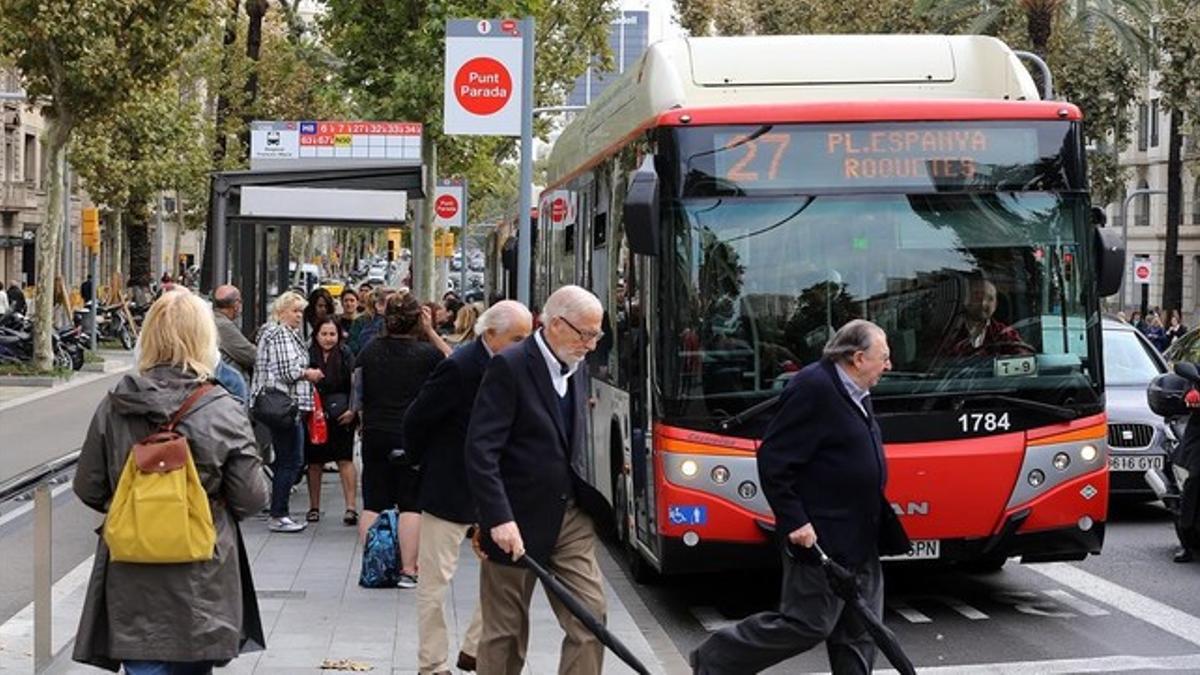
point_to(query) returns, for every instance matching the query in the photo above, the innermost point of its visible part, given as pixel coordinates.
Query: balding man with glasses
(527, 433)
(235, 348)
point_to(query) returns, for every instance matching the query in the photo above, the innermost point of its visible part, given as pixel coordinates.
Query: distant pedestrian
(16, 298)
(1155, 332)
(336, 362)
(435, 430)
(527, 431)
(282, 365)
(319, 307)
(85, 289)
(235, 348)
(464, 325)
(393, 368)
(823, 471)
(372, 319)
(1175, 327)
(349, 302)
(1136, 321)
(171, 618)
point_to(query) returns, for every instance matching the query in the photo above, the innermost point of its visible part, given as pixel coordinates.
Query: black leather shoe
(466, 662)
(1184, 555)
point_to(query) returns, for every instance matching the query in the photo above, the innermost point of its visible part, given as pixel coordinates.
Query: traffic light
(91, 228)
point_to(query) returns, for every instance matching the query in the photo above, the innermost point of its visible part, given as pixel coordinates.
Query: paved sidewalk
(314, 610)
(114, 361)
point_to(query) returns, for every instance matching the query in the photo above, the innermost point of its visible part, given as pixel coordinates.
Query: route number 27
(738, 170)
(977, 422)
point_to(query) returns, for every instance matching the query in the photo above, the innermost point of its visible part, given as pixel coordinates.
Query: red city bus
(731, 209)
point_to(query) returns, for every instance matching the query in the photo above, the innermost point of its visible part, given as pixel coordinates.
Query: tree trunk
(230, 38)
(256, 9)
(421, 264)
(179, 225)
(139, 241)
(1172, 297)
(58, 132)
(116, 257)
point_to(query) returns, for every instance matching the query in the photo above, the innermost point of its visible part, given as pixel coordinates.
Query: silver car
(1139, 440)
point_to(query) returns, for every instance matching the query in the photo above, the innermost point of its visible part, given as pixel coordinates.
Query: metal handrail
(37, 479)
(24, 482)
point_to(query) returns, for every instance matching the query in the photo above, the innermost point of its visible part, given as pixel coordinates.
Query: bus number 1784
(985, 422)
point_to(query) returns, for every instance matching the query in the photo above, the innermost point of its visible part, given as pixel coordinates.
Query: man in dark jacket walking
(435, 430)
(823, 472)
(526, 438)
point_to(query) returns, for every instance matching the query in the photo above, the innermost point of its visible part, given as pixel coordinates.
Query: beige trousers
(505, 592)
(437, 560)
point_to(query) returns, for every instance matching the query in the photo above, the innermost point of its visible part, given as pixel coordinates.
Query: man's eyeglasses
(588, 336)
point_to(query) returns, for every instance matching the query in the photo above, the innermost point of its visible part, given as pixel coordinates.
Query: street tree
(391, 56)
(1179, 31)
(79, 58)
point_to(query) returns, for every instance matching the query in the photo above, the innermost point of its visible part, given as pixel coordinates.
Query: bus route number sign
(869, 155)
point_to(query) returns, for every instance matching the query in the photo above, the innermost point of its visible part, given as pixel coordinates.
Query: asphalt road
(1128, 610)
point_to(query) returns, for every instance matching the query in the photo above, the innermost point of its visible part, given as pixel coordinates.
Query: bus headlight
(747, 490)
(1089, 453)
(689, 468)
(720, 475)
(1061, 461)
(1036, 477)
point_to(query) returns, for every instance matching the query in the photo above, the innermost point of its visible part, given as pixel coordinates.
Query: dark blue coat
(519, 457)
(821, 461)
(435, 433)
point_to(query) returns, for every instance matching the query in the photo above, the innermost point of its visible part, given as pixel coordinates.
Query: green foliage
(1179, 31)
(392, 57)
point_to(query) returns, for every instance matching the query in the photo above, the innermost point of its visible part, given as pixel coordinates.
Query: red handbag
(318, 428)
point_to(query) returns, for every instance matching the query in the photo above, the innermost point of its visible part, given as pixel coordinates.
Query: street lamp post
(1125, 229)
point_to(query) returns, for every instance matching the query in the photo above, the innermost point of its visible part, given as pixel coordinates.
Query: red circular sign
(483, 86)
(446, 207)
(1142, 271)
(558, 210)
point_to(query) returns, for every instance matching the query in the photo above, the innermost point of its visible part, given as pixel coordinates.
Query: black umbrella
(585, 615)
(845, 585)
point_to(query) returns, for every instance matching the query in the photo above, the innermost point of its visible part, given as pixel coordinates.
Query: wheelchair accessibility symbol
(687, 515)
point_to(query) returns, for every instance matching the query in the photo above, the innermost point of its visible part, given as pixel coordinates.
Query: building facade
(628, 37)
(1145, 164)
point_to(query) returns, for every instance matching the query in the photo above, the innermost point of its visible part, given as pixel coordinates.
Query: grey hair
(501, 316)
(855, 336)
(286, 301)
(570, 301)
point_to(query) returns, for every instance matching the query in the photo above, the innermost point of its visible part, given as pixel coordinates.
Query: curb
(31, 380)
(55, 386)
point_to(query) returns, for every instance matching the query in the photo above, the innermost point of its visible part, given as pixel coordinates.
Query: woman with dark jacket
(154, 618)
(333, 358)
(393, 367)
(320, 306)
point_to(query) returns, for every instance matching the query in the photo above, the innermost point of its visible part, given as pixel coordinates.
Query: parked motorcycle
(16, 343)
(110, 325)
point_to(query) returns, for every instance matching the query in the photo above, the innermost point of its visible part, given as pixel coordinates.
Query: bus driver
(978, 332)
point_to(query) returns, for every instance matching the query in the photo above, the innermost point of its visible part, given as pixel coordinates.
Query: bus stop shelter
(252, 213)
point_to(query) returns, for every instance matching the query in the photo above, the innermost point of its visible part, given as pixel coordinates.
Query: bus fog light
(1089, 453)
(690, 538)
(720, 475)
(1085, 523)
(1061, 461)
(689, 468)
(1036, 477)
(747, 490)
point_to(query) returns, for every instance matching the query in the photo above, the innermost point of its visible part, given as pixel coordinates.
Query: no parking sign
(1142, 270)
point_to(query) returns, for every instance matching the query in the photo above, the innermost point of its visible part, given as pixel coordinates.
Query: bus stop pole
(1125, 235)
(462, 234)
(525, 231)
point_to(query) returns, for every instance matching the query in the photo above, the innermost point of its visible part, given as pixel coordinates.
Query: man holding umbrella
(526, 433)
(823, 471)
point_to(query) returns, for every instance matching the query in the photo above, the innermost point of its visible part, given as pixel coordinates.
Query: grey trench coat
(176, 612)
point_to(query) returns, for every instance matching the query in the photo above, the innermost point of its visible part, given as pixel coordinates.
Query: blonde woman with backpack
(179, 618)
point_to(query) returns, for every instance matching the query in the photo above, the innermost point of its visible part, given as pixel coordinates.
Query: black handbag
(275, 409)
(336, 405)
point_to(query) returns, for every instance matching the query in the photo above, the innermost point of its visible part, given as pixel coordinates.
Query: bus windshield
(983, 292)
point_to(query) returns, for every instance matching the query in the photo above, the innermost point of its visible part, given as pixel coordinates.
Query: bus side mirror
(1110, 261)
(641, 212)
(1099, 217)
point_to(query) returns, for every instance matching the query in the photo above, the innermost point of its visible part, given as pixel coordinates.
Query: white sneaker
(285, 524)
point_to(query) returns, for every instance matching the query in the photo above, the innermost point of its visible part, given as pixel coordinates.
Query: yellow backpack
(160, 513)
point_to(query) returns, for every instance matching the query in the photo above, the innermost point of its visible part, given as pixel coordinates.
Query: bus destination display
(905, 156)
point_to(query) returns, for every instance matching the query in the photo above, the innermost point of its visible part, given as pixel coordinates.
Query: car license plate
(922, 549)
(1134, 462)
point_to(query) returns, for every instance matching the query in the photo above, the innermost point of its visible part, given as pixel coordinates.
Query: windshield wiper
(1004, 396)
(734, 421)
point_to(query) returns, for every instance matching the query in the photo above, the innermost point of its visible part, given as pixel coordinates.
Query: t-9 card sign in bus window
(908, 157)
